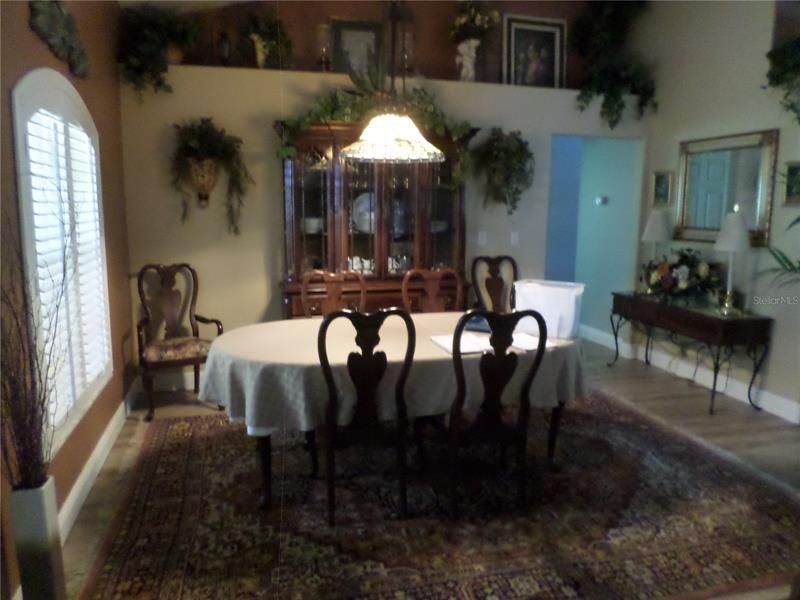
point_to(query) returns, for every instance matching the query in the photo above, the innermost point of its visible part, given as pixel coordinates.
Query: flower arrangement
(472, 22)
(683, 273)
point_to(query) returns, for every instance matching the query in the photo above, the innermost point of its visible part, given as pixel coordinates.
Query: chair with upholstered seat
(168, 332)
(366, 370)
(335, 295)
(432, 299)
(493, 280)
(495, 424)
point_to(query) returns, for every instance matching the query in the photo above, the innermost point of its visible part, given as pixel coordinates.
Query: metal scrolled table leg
(758, 360)
(615, 330)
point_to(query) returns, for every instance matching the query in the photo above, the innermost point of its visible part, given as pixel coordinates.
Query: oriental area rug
(635, 510)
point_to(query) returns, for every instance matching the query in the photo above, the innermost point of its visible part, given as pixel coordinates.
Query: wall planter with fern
(784, 74)
(201, 150)
(506, 163)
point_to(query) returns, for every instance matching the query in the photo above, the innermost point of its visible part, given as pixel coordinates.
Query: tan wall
(240, 275)
(711, 69)
(22, 51)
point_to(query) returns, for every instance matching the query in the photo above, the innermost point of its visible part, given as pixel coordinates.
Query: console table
(718, 333)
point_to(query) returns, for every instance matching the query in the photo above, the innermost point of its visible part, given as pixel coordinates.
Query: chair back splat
(366, 369)
(496, 371)
(493, 280)
(432, 298)
(336, 296)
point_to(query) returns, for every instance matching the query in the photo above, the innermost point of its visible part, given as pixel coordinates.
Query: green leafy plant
(508, 165)
(599, 37)
(788, 270)
(271, 34)
(145, 34)
(198, 140)
(472, 21)
(51, 21)
(784, 73)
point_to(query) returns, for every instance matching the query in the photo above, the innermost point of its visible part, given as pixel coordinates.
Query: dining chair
(332, 285)
(493, 280)
(366, 369)
(168, 332)
(495, 424)
(432, 299)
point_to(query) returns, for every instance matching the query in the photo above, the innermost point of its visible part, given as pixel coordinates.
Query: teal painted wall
(562, 210)
(608, 234)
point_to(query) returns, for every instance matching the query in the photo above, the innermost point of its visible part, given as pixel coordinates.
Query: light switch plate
(515, 238)
(481, 238)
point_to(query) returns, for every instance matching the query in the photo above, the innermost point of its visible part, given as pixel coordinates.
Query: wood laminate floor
(768, 444)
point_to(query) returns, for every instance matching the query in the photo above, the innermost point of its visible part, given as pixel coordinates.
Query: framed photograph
(355, 44)
(534, 51)
(662, 188)
(793, 183)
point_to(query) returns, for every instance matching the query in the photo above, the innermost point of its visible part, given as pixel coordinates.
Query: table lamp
(732, 238)
(657, 230)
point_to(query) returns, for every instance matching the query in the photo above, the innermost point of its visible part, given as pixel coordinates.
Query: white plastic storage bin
(559, 303)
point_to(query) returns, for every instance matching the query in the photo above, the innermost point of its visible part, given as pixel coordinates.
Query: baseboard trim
(83, 485)
(780, 406)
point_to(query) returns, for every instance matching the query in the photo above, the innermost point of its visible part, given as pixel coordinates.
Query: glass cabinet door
(402, 202)
(311, 212)
(363, 214)
(443, 219)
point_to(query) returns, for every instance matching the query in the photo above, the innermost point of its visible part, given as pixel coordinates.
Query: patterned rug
(635, 511)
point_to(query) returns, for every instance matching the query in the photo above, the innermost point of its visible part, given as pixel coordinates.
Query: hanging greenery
(146, 32)
(784, 74)
(788, 270)
(51, 21)
(600, 37)
(269, 37)
(199, 141)
(507, 163)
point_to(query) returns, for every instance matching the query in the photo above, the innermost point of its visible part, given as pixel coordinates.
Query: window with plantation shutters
(62, 233)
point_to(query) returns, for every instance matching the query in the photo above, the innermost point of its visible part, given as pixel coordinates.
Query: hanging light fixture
(392, 137)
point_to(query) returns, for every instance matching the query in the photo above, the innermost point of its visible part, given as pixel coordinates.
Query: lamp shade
(657, 228)
(733, 235)
(392, 138)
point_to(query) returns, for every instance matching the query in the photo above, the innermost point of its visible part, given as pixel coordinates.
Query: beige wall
(711, 66)
(240, 275)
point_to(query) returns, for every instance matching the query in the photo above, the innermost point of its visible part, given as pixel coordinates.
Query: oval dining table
(267, 375)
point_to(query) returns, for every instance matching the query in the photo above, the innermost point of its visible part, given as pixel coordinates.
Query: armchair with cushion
(168, 332)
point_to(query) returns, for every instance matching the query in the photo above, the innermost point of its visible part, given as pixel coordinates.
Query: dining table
(268, 376)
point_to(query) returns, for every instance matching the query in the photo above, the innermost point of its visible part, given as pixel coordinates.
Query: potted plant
(29, 365)
(151, 38)
(508, 165)
(784, 73)
(271, 43)
(201, 149)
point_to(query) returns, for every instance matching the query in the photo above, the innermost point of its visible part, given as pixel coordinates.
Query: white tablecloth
(268, 374)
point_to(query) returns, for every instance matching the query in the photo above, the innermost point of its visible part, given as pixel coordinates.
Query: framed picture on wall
(534, 51)
(662, 188)
(793, 183)
(356, 44)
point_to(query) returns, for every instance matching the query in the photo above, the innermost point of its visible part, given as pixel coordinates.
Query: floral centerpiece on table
(683, 273)
(472, 22)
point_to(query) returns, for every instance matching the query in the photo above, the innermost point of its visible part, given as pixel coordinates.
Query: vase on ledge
(465, 59)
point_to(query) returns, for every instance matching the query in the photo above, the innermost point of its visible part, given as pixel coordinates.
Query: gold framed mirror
(725, 174)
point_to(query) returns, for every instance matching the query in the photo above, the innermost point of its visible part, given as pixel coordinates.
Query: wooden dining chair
(493, 280)
(366, 371)
(335, 296)
(494, 425)
(432, 298)
(168, 332)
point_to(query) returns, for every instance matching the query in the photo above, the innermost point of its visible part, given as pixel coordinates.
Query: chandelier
(392, 137)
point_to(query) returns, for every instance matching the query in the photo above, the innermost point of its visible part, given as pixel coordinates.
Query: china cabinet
(376, 219)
